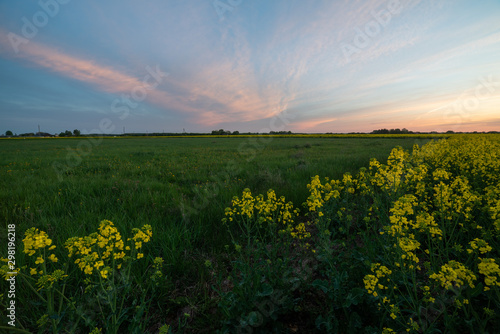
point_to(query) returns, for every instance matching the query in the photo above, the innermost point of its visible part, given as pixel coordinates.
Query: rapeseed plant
(105, 253)
(104, 257)
(260, 218)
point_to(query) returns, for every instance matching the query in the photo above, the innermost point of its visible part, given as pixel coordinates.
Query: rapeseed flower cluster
(379, 280)
(104, 251)
(37, 244)
(320, 194)
(390, 177)
(263, 216)
(36, 240)
(480, 246)
(491, 272)
(300, 232)
(454, 274)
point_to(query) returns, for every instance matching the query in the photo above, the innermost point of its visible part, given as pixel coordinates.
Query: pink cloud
(234, 92)
(106, 78)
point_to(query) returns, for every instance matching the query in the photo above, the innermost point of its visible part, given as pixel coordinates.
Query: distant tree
(381, 131)
(8, 133)
(76, 132)
(220, 132)
(68, 133)
(236, 132)
(394, 131)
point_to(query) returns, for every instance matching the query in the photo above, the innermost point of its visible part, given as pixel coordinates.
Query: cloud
(224, 90)
(106, 78)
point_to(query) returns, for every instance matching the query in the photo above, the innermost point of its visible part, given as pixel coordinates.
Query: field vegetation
(253, 234)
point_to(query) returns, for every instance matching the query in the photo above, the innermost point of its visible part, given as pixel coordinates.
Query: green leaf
(266, 290)
(321, 284)
(254, 319)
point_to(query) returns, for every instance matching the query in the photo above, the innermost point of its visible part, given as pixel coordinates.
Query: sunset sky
(249, 65)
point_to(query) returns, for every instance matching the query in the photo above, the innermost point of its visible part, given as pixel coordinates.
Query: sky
(249, 65)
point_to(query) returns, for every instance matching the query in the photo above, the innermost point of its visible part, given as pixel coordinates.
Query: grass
(180, 186)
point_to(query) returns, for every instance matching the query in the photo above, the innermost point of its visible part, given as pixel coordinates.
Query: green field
(180, 186)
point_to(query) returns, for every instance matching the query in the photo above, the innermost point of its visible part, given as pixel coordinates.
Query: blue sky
(301, 66)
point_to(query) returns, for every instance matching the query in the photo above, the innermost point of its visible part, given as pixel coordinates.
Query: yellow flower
(478, 244)
(454, 274)
(88, 270)
(371, 282)
(39, 260)
(33, 271)
(119, 255)
(53, 258)
(394, 311)
(491, 271)
(140, 255)
(104, 273)
(34, 240)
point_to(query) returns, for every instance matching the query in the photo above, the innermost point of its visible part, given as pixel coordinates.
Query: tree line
(67, 133)
(391, 131)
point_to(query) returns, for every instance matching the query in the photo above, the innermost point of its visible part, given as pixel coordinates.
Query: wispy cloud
(106, 78)
(219, 93)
